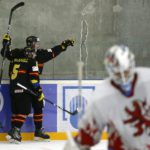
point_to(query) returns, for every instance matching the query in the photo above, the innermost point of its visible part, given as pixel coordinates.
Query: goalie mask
(120, 64)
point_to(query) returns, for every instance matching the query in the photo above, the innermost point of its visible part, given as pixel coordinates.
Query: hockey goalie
(121, 102)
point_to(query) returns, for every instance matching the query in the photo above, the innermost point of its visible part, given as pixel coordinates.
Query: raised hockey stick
(11, 13)
(47, 100)
(8, 31)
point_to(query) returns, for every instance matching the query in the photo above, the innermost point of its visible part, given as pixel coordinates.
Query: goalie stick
(47, 100)
(8, 31)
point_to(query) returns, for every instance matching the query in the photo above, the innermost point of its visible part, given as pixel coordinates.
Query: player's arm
(34, 78)
(18, 53)
(5, 51)
(86, 138)
(45, 55)
(89, 132)
(9, 53)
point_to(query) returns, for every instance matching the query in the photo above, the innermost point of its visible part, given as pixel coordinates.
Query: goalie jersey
(127, 117)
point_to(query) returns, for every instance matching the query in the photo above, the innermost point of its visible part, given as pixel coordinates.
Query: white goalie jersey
(127, 117)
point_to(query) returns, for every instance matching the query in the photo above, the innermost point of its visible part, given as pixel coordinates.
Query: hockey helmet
(32, 39)
(120, 64)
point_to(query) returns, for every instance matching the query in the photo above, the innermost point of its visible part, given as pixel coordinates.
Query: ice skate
(14, 136)
(39, 135)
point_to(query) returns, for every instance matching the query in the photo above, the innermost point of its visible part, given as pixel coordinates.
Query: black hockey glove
(67, 43)
(6, 40)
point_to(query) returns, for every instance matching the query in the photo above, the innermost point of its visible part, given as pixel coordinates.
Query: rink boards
(64, 93)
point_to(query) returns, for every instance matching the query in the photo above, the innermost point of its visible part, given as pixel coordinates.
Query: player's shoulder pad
(143, 73)
(103, 90)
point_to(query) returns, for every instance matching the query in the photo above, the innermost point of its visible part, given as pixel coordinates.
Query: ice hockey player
(33, 43)
(32, 50)
(121, 102)
(44, 55)
(24, 70)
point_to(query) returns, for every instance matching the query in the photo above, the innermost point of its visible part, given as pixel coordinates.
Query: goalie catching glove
(66, 43)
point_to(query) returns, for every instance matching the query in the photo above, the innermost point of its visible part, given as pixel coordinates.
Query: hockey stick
(47, 100)
(8, 30)
(11, 13)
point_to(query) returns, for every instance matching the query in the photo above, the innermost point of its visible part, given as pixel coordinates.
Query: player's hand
(40, 95)
(6, 40)
(66, 43)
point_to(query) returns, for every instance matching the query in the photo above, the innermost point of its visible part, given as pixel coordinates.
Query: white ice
(52, 145)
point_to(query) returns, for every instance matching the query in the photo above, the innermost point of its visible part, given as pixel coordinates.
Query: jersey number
(15, 71)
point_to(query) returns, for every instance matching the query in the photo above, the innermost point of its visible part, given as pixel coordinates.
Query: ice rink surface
(52, 145)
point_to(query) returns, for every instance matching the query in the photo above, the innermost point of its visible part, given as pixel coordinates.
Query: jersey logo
(49, 50)
(139, 117)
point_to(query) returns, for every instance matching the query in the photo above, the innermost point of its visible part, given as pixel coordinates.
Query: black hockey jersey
(24, 71)
(42, 55)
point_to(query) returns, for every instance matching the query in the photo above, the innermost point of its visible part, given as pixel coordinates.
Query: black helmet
(31, 39)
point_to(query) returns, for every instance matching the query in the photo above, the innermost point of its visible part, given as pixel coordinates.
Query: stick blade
(75, 112)
(17, 6)
(11, 12)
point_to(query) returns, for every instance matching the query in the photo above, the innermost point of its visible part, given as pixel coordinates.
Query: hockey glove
(67, 43)
(40, 94)
(6, 40)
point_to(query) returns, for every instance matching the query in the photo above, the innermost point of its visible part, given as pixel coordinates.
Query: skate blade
(38, 139)
(10, 140)
(8, 137)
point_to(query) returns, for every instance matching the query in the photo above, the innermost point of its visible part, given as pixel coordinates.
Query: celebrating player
(19, 72)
